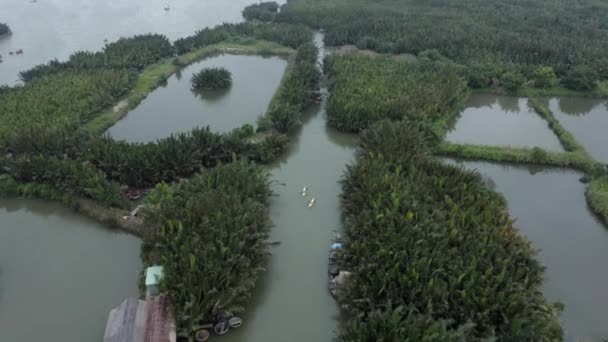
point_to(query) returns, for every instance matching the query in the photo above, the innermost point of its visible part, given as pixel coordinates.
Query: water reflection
(587, 119)
(502, 121)
(177, 108)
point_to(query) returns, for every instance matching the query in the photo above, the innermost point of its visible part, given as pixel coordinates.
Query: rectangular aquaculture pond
(502, 121)
(176, 107)
(587, 120)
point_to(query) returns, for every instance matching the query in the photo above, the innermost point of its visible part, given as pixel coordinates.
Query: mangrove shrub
(263, 11)
(369, 89)
(4, 29)
(212, 79)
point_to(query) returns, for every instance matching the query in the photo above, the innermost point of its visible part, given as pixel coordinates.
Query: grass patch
(597, 197)
(154, 75)
(534, 155)
(566, 138)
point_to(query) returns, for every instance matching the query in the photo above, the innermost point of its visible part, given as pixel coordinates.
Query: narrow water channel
(175, 107)
(587, 119)
(60, 273)
(292, 302)
(48, 29)
(502, 121)
(549, 206)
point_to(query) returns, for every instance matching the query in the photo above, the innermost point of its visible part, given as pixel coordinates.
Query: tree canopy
(212, 79)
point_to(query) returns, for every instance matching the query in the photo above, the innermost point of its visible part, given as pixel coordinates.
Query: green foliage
(369, 89)
(131, 53)
(4, 29)
(559, 34)
(581, 77)
(179, 155)
(295, 91)
(284, 34)
(512, 80)
(212, 242)
(43, 115)
(212, 79)
(565, 138)
(597, 197)
(544, 77)
(263, 11)
(430, 237)
(574, 160)
(66, 176)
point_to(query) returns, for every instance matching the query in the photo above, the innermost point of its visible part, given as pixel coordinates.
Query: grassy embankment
(575, 157)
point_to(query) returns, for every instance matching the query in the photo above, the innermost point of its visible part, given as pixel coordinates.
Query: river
(549, 206)
(48, 29)
(60, 273)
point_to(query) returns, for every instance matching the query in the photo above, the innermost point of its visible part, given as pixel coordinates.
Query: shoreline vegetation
(4, 29)
(433, 251)
(53, 148)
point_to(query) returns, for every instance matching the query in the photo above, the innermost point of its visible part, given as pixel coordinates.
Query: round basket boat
(201, 335)
(235, 322)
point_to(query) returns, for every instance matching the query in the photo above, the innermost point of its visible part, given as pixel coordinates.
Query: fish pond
(587, 120)
(60, 273)
(176, 107)
(550, 210)
(502, 121)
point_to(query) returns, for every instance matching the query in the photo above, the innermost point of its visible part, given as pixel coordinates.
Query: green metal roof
(153, 275)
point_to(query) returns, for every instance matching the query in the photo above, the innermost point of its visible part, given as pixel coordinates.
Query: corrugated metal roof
(141, 321)
(127, 323)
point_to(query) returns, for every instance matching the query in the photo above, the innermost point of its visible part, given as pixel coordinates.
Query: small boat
(18, 52)
(167, 8)
(312, 202)
(202, 335)
(303, 192)
(235, 322)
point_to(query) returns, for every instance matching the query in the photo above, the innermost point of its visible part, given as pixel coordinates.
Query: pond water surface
(502, 121)
(587, 119)
(549, 206)
(175, 107)
(60, 273)
(48, 29)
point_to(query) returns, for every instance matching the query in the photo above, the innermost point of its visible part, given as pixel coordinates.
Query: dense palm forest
(4, 29)
(212, 242)
(434, 253)
(499, 41)
(368, 89)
